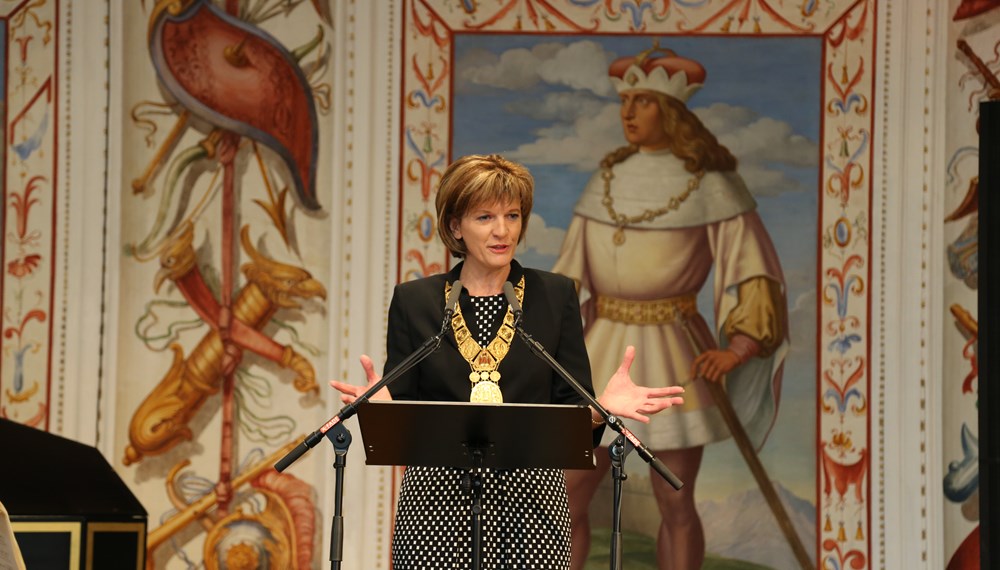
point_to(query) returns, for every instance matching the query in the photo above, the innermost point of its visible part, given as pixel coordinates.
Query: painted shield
(239, 78)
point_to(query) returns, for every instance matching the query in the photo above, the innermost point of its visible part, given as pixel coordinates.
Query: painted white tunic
(672, 256)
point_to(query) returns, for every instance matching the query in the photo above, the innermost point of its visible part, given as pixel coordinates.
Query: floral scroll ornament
(637, 11)
(21, 203)
(843, 392)
(540, 13)
(847, 98)
(423, 168)
(837, 292)
(431, 27)
(426, 268)
(739, 12)
(428, 97)
(851, 175)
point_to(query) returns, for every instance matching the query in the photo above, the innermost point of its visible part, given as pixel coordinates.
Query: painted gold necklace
(485, 376)
(621, 220)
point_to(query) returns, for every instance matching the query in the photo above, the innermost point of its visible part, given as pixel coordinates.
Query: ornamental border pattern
(30, 214)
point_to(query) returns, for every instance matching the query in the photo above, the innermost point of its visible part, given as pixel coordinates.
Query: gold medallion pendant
(485, 376)
(486, 392)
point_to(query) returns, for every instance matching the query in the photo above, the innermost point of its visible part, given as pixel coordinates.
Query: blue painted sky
(546, 101)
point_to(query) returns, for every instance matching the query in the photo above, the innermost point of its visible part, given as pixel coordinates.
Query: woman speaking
(483, 206)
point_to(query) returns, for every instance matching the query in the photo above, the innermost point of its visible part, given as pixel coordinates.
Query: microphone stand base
(340, 437)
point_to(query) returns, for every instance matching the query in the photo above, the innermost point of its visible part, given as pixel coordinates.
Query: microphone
(515, 305)
(449, 305)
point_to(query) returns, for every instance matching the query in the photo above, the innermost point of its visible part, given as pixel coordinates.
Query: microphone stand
(472, 485)
(340, 437)
(617, 452)
(626, 438)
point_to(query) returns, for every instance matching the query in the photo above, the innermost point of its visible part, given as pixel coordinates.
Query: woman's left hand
(623, 398)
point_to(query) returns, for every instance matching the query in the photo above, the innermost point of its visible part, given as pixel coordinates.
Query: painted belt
(651, 312)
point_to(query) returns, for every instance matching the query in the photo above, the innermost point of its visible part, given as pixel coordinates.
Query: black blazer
(551, 316)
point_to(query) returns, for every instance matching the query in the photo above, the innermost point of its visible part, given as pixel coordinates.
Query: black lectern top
(446, 434)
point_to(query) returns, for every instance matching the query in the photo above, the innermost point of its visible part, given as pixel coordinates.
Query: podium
(68, 508)
(473, 436)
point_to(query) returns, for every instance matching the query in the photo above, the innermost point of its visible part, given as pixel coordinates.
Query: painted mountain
(742, 527)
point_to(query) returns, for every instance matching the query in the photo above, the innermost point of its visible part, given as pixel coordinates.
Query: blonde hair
(688, 140)
(474, 180)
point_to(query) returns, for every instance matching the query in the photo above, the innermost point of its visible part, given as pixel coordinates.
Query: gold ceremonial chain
(485, 377)
(621, 220)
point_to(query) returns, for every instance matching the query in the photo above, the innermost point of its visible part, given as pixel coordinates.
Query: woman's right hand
(349, 392)
(624, 398)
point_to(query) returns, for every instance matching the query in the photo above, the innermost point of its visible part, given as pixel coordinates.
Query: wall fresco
(225, 225)
(457, 57)
(972, 76)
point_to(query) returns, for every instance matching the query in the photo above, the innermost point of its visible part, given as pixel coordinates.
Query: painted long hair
(689, 140)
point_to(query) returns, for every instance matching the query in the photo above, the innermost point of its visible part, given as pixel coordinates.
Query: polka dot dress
(489, 314)
(525, 518)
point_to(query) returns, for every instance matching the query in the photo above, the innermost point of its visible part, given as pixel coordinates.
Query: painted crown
(667, 73)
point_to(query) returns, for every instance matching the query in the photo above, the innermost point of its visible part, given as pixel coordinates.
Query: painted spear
(753, 461)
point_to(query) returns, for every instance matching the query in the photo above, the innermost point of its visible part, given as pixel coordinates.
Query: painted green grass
(640, 554)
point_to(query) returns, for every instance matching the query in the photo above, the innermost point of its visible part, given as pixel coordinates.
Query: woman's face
(642, 120)
(490, 232)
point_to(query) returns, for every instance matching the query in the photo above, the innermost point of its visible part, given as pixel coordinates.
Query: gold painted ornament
(621, 220)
